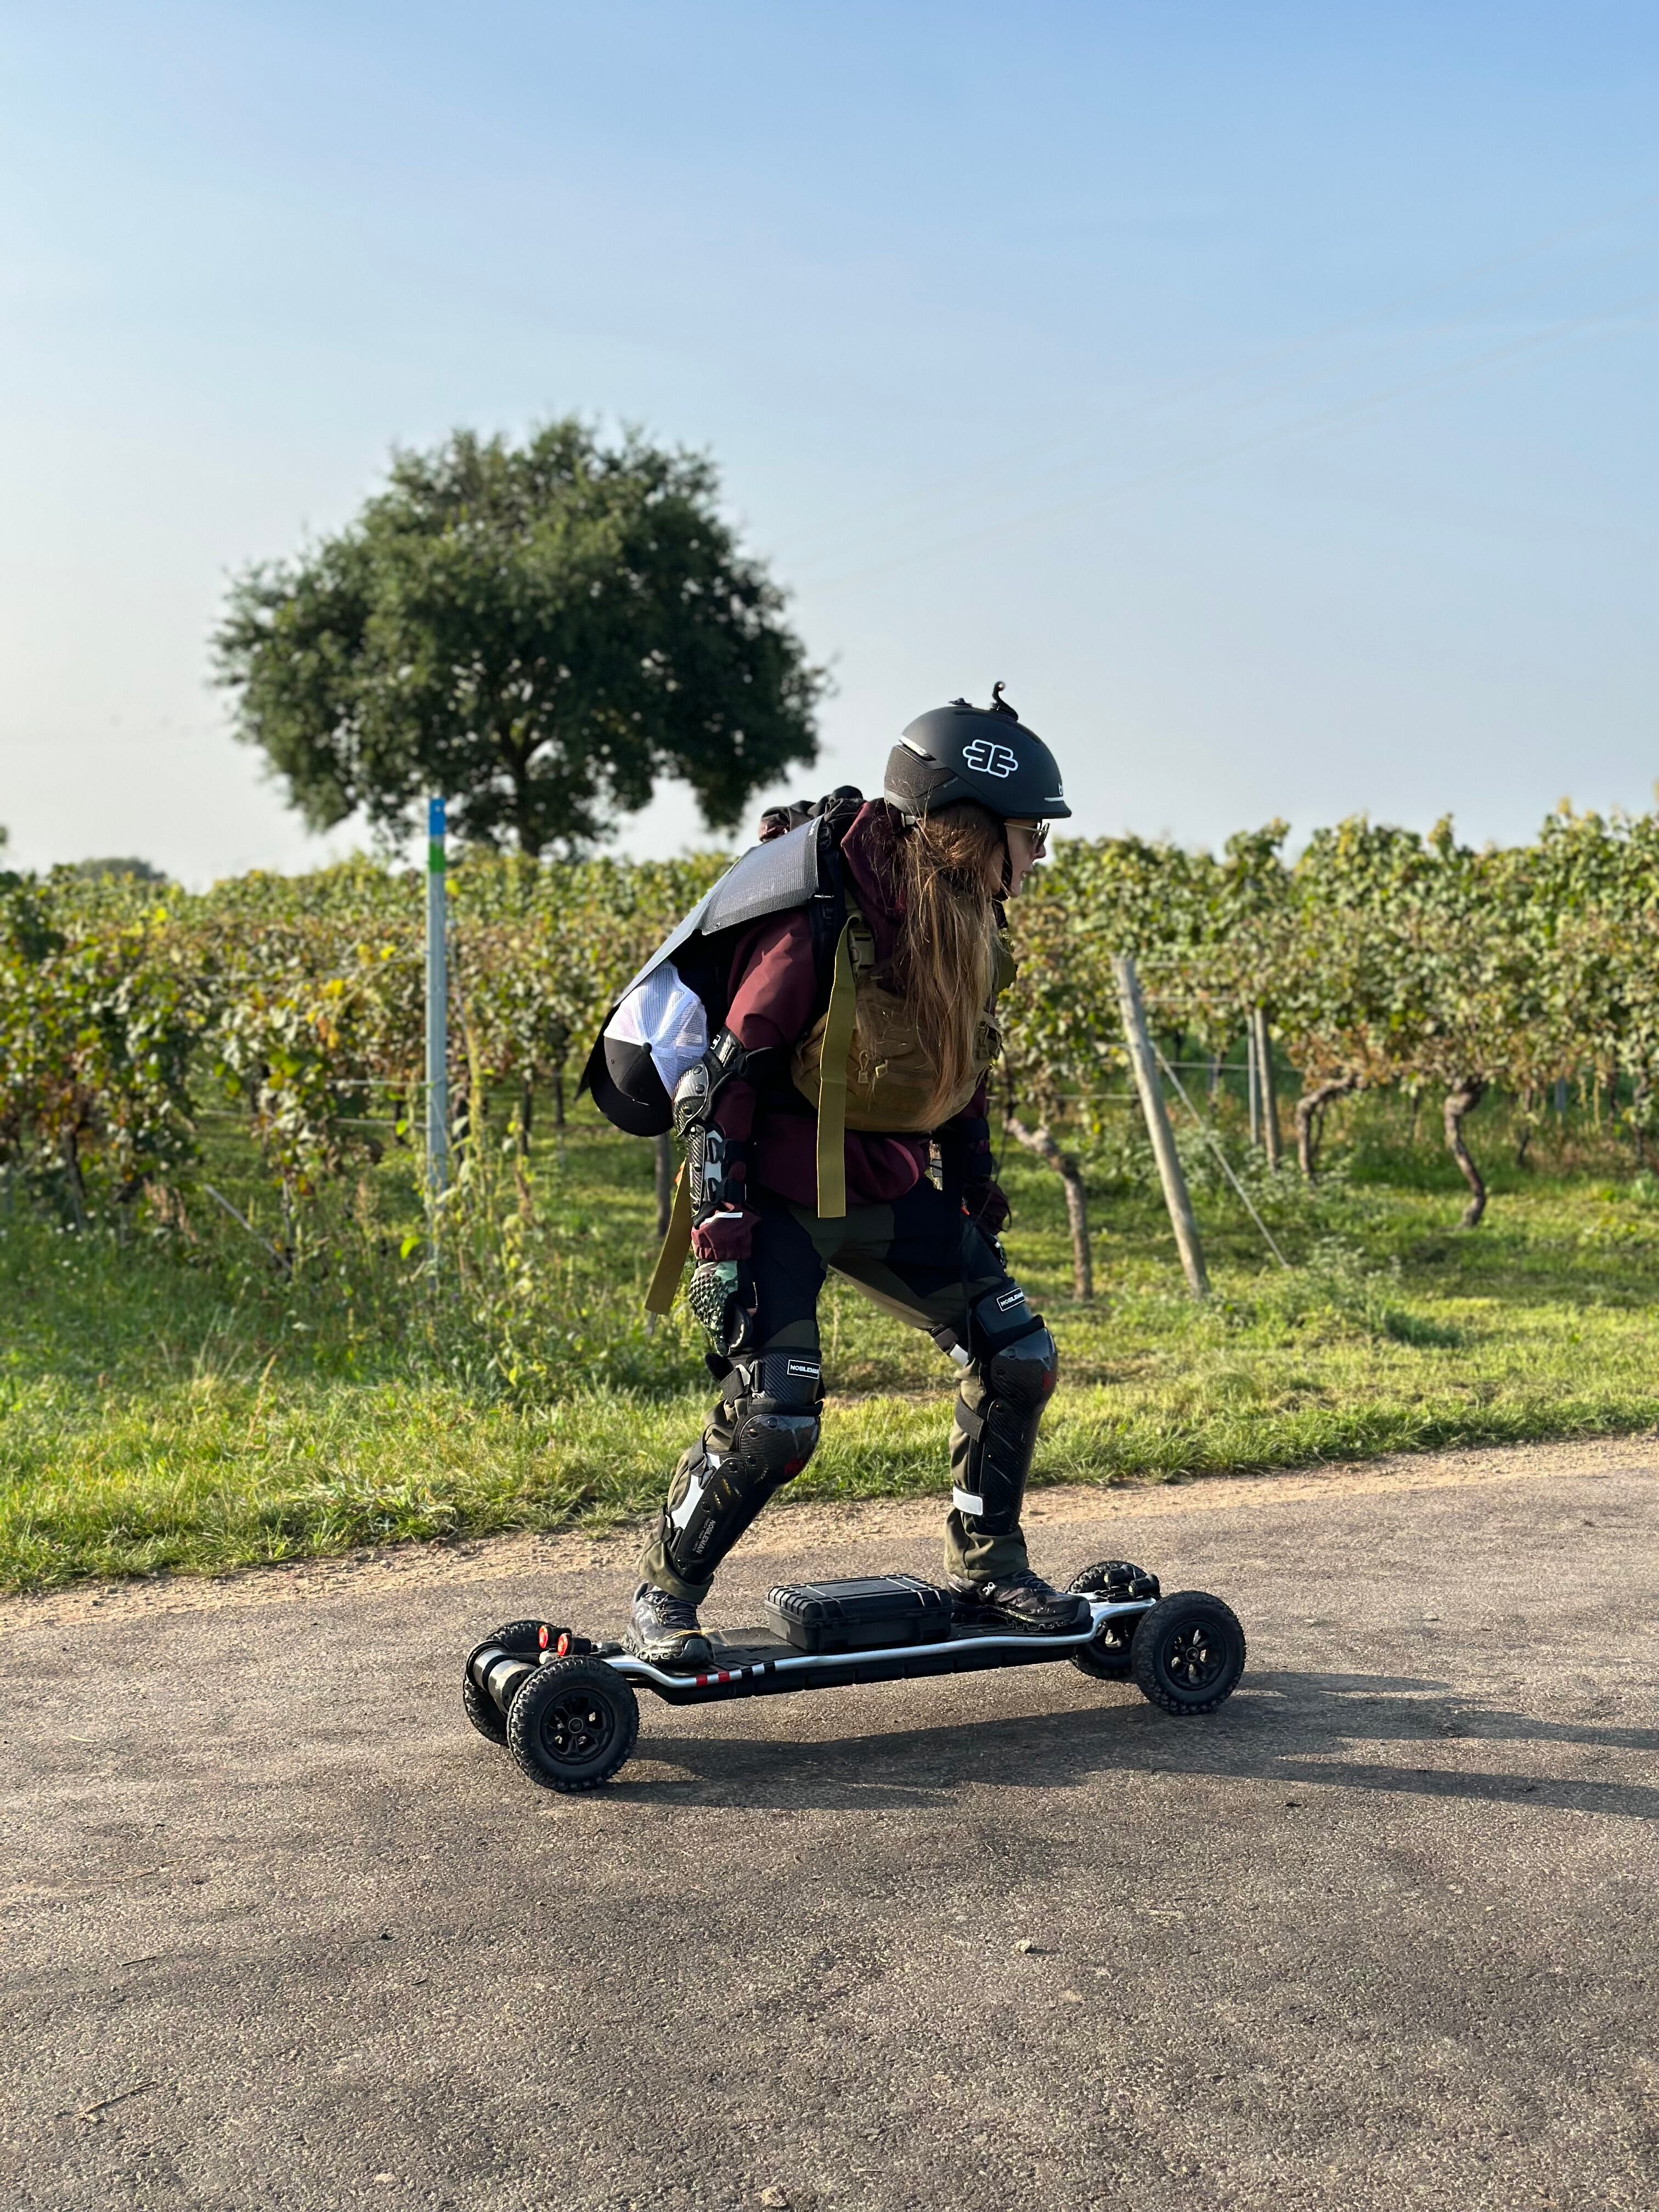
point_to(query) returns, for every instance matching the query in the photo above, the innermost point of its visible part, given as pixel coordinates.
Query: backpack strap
(666, 1277)
(854, 950)
(713, 1161)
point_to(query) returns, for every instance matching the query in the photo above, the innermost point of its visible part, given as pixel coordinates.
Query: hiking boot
(665, 1631)
(1024, 1601)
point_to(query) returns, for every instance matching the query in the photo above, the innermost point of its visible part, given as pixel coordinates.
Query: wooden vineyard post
(1264, 1077)
(1145, 1064)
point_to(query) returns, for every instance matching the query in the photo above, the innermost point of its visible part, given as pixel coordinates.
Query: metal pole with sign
(437, 1003)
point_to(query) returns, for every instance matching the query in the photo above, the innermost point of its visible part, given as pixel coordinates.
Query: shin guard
(998, 1408)
(762, 1435)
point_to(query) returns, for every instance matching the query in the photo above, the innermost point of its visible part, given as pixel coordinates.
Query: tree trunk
(74, 1181)
(1039, 1141)
(526, 1115)
(558, 1099)
(515, 759)
(1310, 1115)
(1528, 1123)
(1464, 1100)
(662, 1151)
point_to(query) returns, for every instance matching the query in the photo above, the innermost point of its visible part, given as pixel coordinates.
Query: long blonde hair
(946, 959)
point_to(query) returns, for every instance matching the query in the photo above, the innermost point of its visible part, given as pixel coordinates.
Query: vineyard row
(1381, 957)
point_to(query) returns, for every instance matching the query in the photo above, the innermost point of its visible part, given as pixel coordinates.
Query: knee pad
(997, 1317)
(1025, 1372)
(1018, 1358)
(772, 1412)
(772, 1448)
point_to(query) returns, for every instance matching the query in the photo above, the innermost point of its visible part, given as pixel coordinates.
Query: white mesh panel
(665, 1016)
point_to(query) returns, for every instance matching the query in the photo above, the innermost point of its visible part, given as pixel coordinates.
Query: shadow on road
(1282, 1728)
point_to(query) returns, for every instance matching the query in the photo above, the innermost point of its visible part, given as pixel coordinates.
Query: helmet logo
(989, 759)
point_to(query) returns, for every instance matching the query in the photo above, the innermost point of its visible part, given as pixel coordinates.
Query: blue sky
(1267, 394)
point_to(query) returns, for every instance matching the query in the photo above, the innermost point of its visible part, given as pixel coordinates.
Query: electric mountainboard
(565, 1705)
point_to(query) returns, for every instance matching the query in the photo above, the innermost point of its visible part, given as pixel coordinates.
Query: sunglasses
(1038, 834)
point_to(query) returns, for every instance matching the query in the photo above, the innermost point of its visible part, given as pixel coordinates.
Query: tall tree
(538, 631)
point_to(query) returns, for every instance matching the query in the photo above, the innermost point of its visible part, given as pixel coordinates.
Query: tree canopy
(538, 632)
(143, 872)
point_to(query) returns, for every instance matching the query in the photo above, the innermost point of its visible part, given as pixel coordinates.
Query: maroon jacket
(773, 1005)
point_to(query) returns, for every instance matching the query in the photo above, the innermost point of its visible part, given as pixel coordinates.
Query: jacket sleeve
(774, 983)
(969, 1168)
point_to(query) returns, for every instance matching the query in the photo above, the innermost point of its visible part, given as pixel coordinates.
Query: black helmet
(984, 753)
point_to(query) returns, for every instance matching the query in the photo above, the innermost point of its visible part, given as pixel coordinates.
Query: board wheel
(1114, 1578)
(522, 1638)
(573, 1724)
(1188, 1653)
(481, 1711)
(1106, 1657)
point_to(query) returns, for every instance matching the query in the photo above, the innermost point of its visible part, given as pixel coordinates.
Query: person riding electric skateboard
(968, 797)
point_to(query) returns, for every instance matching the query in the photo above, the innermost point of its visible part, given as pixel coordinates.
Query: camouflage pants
(918, 1259)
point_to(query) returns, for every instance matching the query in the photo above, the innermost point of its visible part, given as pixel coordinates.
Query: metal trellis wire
(1226, 1166)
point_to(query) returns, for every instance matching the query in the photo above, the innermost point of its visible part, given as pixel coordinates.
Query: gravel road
(279, 1930)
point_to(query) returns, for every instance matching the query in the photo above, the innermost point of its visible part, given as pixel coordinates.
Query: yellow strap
(675, 1246)
(832, 1081)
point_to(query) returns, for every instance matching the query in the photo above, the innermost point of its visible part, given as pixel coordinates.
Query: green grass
(170, 1404)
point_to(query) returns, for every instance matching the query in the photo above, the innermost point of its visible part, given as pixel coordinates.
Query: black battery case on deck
(869, 1612)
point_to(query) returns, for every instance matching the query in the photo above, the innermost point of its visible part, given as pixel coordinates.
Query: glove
(722, 1296)
(986, 1206)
